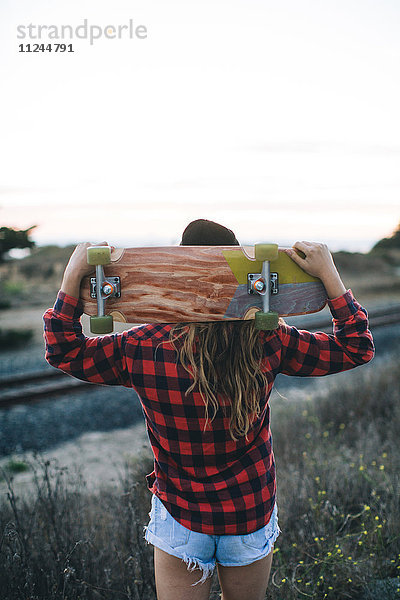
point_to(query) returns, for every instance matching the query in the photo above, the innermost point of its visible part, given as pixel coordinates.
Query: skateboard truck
(256, 284)
(101, 288)
(111, 287)
(265, 284)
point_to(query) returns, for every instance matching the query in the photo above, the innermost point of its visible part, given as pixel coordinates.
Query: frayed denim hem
(192, 563)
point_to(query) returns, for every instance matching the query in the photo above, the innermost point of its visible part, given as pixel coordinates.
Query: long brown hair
(224, 360)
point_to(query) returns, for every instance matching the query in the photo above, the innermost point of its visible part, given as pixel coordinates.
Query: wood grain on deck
(163, 273)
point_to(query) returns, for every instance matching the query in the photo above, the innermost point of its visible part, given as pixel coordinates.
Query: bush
(16, 466)
(4, 304)
(14, 338)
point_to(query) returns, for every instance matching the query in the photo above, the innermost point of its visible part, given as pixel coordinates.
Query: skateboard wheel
(101, 325)
(99, 255)
(266, 251)
(266, 321)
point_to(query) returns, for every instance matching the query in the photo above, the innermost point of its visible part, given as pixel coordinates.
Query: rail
(33, 387)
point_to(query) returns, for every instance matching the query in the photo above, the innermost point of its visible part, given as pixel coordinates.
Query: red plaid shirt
(207, 481)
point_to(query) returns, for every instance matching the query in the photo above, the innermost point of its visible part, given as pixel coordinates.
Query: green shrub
(14, 338)
(16, 466)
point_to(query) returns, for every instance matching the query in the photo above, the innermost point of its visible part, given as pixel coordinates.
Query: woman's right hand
(77, 268)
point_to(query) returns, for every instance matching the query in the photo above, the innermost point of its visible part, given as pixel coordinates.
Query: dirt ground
(99, 456)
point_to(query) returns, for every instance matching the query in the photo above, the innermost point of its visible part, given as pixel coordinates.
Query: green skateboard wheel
(266, 251)
(101, 325)
(266, 321)
(99, 255)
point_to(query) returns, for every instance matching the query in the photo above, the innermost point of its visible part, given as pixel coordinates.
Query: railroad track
(33, 387)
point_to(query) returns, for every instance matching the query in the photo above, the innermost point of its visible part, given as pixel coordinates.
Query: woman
(204, 389)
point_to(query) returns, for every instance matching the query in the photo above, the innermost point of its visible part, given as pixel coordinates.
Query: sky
(279, 120)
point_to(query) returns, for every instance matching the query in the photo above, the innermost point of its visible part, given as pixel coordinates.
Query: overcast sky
(279, 119)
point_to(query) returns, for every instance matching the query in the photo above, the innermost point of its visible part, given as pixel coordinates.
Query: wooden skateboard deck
(175, 284)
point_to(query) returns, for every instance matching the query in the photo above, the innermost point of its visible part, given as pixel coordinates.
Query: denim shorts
(202, 551)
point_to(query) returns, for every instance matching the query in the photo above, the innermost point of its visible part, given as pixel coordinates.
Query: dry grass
(66, 543)
(339, 487)
(338, 476)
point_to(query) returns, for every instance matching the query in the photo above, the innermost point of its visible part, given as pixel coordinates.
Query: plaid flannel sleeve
(97, 360)
(316, 354)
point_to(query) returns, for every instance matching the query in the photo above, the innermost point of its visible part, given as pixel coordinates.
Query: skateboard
(175, 284)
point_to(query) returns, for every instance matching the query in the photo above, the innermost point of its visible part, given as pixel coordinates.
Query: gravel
(57, 419)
